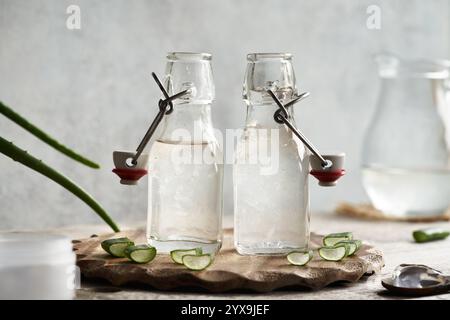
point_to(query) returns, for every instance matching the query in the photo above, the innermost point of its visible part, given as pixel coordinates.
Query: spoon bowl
(416, 280)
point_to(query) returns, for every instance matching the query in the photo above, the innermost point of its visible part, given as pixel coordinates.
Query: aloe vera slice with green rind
(197, 262)
(300, 258)
(430, 234)
(19, 155)
(333, 238)
(116, 247)
(354, 245)
(334, 253)
(21, 121)
(177, 255)
(141, 253)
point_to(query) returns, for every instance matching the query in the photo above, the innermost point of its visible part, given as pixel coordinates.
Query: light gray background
(91, 88)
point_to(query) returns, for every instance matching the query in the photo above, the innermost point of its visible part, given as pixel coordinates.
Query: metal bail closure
(325, 168)
(131, 166)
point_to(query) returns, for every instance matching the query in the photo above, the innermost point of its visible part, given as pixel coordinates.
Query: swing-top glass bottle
(271, 201)
(186, 163)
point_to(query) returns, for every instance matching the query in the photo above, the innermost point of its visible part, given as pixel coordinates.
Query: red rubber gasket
(327, 176)
(130, 174)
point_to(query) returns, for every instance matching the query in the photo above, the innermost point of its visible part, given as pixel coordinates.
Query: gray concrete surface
(91, 87)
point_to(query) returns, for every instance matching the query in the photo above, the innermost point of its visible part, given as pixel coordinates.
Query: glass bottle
(186, 163)
(271, 201)
(406, 152)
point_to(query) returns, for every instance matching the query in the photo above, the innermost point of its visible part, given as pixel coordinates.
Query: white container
(36, 266)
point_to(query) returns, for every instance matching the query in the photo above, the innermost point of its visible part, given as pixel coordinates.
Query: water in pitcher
(408, 192)
(185, 196)
(406, 158)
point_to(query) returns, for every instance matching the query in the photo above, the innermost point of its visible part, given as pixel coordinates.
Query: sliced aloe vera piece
(197, 262)
(141, 253)
(334, 253)
(334, 238)
(430, 234)
(177, 255)
(354, 245)
(351, 246)
(116, 247)
(299, 258)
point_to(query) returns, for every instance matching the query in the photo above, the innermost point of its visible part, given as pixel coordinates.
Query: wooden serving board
(229, 271)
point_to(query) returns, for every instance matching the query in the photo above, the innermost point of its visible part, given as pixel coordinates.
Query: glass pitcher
(406, 152)
(186, 163)
(270, 173)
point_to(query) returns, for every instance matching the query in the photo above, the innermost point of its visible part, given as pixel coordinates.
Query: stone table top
(393, 238)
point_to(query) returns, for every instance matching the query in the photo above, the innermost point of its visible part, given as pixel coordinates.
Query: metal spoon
(417, 280)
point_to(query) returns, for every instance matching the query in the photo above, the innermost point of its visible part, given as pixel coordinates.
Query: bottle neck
(261, 116)
(188, 124)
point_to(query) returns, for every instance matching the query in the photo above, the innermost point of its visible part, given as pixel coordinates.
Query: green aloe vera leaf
(177, 255)
(116, 247)
(197, 262)
(19, 155)
(334, 253)
(430, 234)
(141, 253)
(354, 245)
(333, 238)
(21, 121)
(300, 258)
